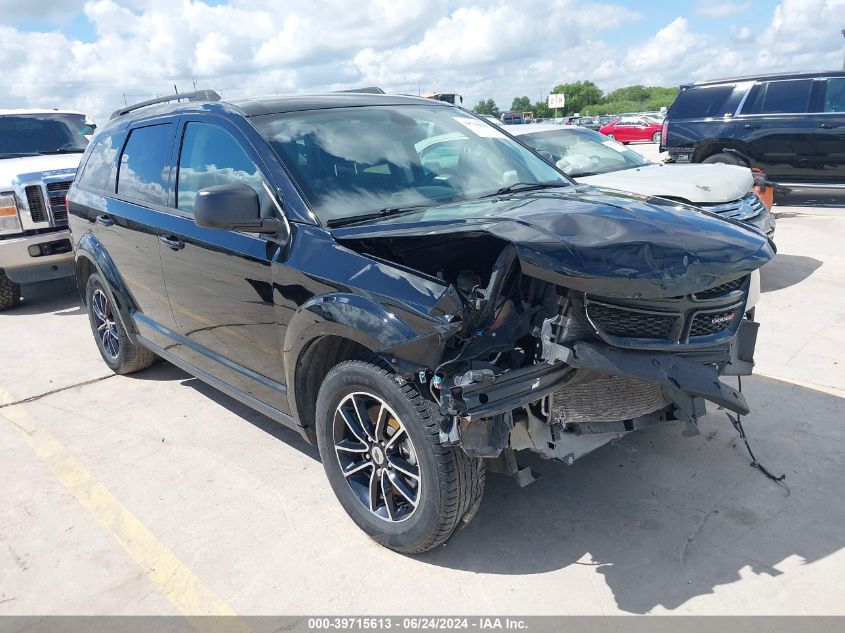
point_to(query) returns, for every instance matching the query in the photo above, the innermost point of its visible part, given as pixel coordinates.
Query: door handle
(828, 126)
(751, 126)
(105, 220)
(172, 242)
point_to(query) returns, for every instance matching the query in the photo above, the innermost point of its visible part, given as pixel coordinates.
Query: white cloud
(719, 8)
(480, 48)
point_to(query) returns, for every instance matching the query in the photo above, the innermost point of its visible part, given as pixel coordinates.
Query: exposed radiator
(606, 399)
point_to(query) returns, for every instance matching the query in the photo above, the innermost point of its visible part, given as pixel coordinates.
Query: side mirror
(232, 207)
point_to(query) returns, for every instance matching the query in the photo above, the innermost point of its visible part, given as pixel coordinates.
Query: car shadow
(787, 270)
(665, 518)
(57, 297)
(167, 372)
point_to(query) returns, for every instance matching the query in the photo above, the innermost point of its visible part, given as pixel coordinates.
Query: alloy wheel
(105, 322)
(377, 457)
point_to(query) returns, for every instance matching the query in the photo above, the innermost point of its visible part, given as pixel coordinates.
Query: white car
(39, 153)
(594, 159)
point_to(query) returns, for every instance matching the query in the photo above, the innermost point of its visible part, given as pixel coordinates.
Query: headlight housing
(10, 221)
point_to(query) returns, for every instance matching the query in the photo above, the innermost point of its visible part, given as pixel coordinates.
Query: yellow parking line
(174, 579)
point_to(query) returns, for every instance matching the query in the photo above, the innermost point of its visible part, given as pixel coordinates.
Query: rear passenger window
(706, 101)
(100, 171)
(144, 172)
(834, 95)
(211, 156)
(779, 97)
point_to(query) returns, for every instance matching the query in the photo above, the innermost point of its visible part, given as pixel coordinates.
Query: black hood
(599, 241)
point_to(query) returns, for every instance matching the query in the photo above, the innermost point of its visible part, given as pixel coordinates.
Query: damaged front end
(582, 318)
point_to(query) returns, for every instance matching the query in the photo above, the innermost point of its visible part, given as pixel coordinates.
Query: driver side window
(211, 156)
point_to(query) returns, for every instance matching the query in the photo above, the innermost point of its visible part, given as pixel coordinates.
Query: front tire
(119, 353)
(612, 137)
(380, 447)
(10, 292)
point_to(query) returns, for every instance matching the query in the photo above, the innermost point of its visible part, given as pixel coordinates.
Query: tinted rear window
(834, 95)
(100, 170)
(705, 101)
(779, 97)
(144, 171)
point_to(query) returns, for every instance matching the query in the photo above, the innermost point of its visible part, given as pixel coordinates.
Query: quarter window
(834, 95)
(211, 156)
(100, 171)
(144, 173)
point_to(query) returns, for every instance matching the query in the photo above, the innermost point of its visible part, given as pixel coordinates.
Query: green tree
(486, 106)
(579, 94)
(521, 104)
(542, 111)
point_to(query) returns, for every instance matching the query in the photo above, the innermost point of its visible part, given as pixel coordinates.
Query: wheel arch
(91, 257)
(717, 146)
(330, 329)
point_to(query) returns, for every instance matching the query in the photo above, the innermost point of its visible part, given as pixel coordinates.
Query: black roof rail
(369, 90)
(199, 95)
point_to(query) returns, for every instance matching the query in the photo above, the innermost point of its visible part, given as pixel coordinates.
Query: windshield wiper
(525, 186)
(63, 150)
(375, 215)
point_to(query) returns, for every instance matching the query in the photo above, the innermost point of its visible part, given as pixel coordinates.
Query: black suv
(407, 286)
(792, 126)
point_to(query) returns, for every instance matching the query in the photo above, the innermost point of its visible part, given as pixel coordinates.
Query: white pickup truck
(39, 154)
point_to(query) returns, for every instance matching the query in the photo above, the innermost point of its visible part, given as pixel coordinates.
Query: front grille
(618, 321)
(35, 199)
(743, 209)
(57, 192)
(721, 289)
(709, 323)
(606, 399)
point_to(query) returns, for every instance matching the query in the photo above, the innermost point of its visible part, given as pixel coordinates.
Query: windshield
(356, 161)
(583, 152)
(48, 133)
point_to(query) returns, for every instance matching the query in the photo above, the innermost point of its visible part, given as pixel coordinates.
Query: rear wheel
(380, 447)
(119, 353)
(10, 292)
(724, 158)
(655, 138)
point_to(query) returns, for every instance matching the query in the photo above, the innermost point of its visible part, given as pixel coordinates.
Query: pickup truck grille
(35, 199)
(57, 192)
(704, 318)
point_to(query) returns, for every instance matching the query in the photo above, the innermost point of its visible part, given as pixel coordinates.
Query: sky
(92, 55)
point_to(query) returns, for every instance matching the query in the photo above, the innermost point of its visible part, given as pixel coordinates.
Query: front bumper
(38, 257)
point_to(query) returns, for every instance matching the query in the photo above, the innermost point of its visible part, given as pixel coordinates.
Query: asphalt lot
(154, 494)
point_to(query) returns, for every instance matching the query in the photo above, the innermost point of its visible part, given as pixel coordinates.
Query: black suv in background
(792, 126)
(407, 286)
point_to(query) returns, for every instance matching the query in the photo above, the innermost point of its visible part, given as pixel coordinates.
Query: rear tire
(725, 159)
(10, 292)
(655, 138)
(119, 353)
(368, 424)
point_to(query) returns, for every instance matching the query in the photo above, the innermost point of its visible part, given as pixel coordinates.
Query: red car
(627, 130)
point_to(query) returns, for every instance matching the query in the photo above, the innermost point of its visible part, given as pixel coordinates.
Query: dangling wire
(737, 423)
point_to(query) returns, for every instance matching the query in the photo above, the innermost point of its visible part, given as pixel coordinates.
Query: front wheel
(612, 137)
(725, 159)
(380, 447)
(10, 292)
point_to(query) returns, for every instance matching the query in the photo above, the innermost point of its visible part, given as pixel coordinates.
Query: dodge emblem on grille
(724, 318)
